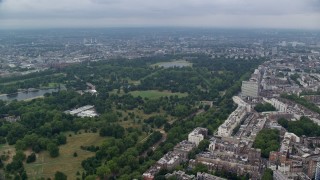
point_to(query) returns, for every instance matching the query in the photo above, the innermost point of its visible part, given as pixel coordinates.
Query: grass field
(150, 94)
(139, 114)
(50, 85)
(154, 94)
(6, 149)
(177, 63)
(45, 166)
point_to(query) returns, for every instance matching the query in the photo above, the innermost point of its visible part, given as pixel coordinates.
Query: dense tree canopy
(264, 107)
(302, 101)
(304, 126)
(60, 176)
(129, 122)
(267, 140)
(267, 175)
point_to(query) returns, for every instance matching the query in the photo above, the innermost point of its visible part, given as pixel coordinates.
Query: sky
(291, 14)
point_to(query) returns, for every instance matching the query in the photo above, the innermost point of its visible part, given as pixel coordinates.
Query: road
(164, 134)
(156, 145)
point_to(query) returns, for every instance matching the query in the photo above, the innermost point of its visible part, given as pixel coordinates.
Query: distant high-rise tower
(283, 43)
(274, 51)
(317, 175)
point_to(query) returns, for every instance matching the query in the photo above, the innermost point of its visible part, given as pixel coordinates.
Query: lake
(29, 95)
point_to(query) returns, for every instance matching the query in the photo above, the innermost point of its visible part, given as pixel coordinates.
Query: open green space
(9, 150)
(45, 166)
(150, 94)
(178, 63)
(126, 119)
(154, 94)
(50, 85)
(304, 126)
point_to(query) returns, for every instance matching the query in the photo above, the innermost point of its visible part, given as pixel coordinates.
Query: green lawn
(45, 166)
(9, 150)
(178, 63)
(50, 85)
(155, 94)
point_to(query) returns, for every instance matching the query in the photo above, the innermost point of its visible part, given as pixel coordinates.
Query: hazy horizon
(235, 14)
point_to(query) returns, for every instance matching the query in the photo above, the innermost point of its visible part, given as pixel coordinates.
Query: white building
(234, 119)
(170, 160)
(280, 106)
(197, 135)
(250, 88)
(225, 130)
(84, 111)
(212, 145)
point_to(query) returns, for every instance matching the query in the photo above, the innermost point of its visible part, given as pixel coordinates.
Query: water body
(175, 64)
(28, 95)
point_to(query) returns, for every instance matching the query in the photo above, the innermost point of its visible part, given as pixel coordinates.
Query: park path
(156, 145)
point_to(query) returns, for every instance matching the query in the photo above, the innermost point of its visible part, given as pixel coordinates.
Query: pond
(29, 94)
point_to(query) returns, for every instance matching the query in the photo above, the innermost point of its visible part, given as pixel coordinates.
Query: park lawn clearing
(150, 94)
(115, 92)
(46, 167)
(134, 82)
(9, 150)
(171, 64)
(155, 94)
(51, 85)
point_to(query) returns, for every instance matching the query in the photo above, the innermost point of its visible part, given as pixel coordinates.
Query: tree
(20, 156)
(61, 139)
(267, 175)
(116, 131)
(91, 177)
(53, 149)
(200, 168)
(304, 126)
(31, 158)
(14, 166)
(103, 171)
(2, 140)
(264, 107)
(203, 145)
(1, 164)
(110, 117)
(267, 140)
(24, 175)
(60, 176)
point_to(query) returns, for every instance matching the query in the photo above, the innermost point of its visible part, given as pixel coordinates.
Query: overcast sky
(302, 14)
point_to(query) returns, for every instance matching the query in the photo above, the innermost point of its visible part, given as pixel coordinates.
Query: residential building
(250, 89)
(184, 148)
(205, 176)
(317, 175)
(197, 135)
(180, 175)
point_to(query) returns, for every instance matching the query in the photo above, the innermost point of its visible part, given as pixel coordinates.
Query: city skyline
(289, 14)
